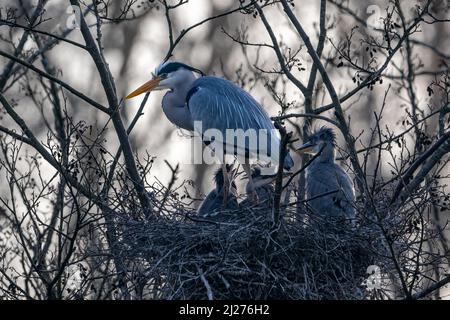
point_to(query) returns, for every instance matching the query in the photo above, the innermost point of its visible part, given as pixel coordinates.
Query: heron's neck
(177, 96)
(174, 105)
(327, 155)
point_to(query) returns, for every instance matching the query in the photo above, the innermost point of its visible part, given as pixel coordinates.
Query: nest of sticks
(241, 255)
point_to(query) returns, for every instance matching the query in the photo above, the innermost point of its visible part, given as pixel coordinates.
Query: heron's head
(167, 75)
(322, 139)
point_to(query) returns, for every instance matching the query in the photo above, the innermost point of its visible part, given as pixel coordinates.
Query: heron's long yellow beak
(146, 87)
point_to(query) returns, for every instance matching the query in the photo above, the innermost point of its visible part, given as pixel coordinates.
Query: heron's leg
(252, 194)
(226, 185)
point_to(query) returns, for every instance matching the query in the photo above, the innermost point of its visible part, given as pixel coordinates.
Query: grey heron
(212, 205)
(329, 189)
(217, 104)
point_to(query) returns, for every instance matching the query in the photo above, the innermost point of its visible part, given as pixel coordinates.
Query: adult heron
(211, 104)
(213, 203)
(329, 189)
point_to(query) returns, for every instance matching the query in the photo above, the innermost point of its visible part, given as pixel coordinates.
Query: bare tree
(84, 214)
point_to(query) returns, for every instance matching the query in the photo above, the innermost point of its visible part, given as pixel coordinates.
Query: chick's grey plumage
(324, 176)
(213, 203)
(263, 187)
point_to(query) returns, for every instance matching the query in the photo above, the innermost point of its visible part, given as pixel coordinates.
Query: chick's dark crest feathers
(325, 134)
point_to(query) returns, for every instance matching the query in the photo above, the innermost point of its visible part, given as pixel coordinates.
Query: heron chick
(263, 185)
(329, 189)
(213, 204)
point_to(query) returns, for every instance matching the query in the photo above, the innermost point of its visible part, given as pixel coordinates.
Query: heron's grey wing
(318, 188)
(219, 104)
(348, 192)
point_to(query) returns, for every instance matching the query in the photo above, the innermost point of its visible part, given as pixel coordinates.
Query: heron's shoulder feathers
(214, 92)
(215, 83)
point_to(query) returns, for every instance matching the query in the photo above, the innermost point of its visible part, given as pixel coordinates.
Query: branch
(305, 115)
(285, 137)
(54, 79)
(8, 68)
(431, 288)
(435, 153)
(15, 135)
(378, 72)
(49, 158)
(277, 49)
(110, 91)
(113, 166)
(333, 95)
(30, 29)
(185, 31)
(320, 46)
(205, 282)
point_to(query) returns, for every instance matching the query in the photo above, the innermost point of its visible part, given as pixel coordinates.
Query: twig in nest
(209, 292)
(171, 183)
(285, 138)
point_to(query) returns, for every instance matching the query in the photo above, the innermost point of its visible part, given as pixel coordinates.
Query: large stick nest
(240, 255)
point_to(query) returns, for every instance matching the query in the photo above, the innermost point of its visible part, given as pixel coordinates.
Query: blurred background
(134, 48)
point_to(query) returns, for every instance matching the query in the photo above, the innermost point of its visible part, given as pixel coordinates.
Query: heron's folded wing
(219, 104)
(348, 192)
(321, 181)
(345, 183)
(329, 178)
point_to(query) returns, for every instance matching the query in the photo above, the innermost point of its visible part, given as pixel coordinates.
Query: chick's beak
(146, 87)
(306, 148)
